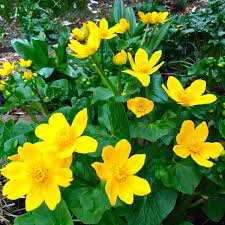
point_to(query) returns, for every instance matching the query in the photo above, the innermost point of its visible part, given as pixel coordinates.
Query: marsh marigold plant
(118, 170)
(153, 17)
(7, 69)
(192, 141)
(37, 174)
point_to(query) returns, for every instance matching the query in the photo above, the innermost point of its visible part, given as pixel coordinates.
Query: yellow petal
(155, 58)
(14, 170)
(187, 130)
(135, 163)
(80, 122)
(205, 99)
(123, 149)
(201, 160)
(201, 132)
(63, 176)
(111, 190)
(174, 84)
(104, 24)
(108, 153)
(15, 189)
(143, 78)
(101, 170)
(138, 185)
(181, 151)
(34, 199)
(141, 57)
(213, 150)
(197, 87)
(58, 121)
(125, 193)
(45, 132)
(85, 144)
(154, 69)
(133, 65)
(52, 195)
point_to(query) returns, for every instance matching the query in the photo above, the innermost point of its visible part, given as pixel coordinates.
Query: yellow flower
(107, 33)
(140, 106)
(2, 84)
(90, 47)
(120, 58)
(65, 138)
(27, 75)
(192, 95)
(154, 17)
(142, 67)
(81, 35)
(118, 171)
(25, 63)
(122, 26)
(7, 68)
(37, 175)
(192, 141)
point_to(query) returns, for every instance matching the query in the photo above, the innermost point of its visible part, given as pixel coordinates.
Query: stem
(35, 90)
(146, 31)
(29, 112)
(104, 77)
(198, 202)
(151, 35)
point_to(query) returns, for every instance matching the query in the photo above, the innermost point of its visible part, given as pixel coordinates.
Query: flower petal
(181, 151)
(133, 65)
(34, 199)
(15, 189)
(102, 171)
(201, 160)
(45, 132)
(135, 163)
(14, 170)
(201, 132)
(143, 78)
(213, 150)
(139, 185)
(80, 122)
(155, 68)
(205, 99)
(111, 190)
(58, 121)
(63, 176)
(125, 193)
(155, 58)
(141, 57)
(85, 144)
(197, 87)
(123, 149)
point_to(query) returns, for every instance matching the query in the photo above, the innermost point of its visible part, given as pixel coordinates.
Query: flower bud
(120, 58)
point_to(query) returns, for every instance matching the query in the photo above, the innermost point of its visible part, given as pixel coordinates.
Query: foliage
(64, 82)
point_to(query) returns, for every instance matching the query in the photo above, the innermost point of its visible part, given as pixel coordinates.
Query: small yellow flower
(25, 63)
(90, 47)
(27, 75)
(38, 175)
(122, 26)
(123, 93)
(140, 106)
(81, 35)
(120, 58)
(2, 84)
(107, 33)
(154, 17)
(192, 141)
(7, 68)
(65, 138)
(192, 95)
(118, 171)
(142, 68)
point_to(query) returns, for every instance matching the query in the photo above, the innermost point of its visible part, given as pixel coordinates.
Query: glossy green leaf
(101, 94)
(118, 10)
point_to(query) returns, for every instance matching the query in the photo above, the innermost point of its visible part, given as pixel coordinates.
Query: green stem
(29, 112)
(104, 77)
(198, 202)
(151, 35)
(35, 90)
(146, 31)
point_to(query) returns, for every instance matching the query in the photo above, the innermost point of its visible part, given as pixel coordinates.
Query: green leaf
(46, 72)
(183, 176)
(43, 216)
(157, 94)
(67, 70)
(61, 48)
(111, 219)
(87, 203)
(118, 10)
(58, 88)
(130, 16)
(158, 36)
(214, 208)
(100, 94)
(118, 120)
(154, 208)
(222, 128)
(154, 131)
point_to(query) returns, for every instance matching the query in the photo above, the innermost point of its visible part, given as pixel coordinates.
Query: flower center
(40, 175)
(65, 137)
(120, 174)
(194, 148)
(140, 107)
(185, 99)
